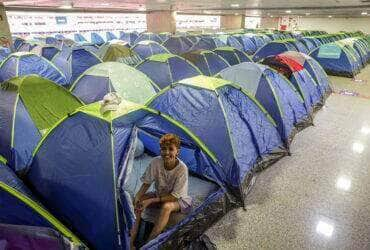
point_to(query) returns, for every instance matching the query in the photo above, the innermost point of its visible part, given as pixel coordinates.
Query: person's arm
(144, 187)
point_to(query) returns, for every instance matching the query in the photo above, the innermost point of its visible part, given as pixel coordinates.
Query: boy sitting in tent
(170, 177)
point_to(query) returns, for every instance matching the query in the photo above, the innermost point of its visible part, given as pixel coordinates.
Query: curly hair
(171, 139)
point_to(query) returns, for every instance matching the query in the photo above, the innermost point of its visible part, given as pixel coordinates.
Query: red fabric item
(291, 62)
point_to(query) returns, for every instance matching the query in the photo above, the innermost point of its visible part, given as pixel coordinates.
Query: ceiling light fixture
(141, 8)
(307, 14)
(364, 13)
(234, 5)
(325, 228)
(288, 11)
(66, 7)
(330, 16)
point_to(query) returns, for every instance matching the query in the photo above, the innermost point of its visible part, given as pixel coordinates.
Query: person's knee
(167, 207)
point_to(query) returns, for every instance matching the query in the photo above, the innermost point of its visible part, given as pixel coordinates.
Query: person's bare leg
(166, 210)
(135, 228)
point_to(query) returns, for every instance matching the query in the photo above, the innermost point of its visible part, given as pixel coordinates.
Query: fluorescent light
(330, 16)
(142, 8)
(358, 147)
(65, 7)
(288, 11)
(324, 228)
(234, 5)
(365, 130)
(364, 13)
(307, 14)
(104, 4)
(271, 16)
(343, 183)
(236, 14)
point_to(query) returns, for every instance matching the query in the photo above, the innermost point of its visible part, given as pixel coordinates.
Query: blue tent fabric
(146, 49)
(49, 52)
(4, 53)
(232, 41)
(148, 36)
(336, 63)
(174, 69)
(177, 45)
(110, 36)
(79, 38)
(275, 94)
(19, 64)
(228, 115)
(128, 37)
(271, 49)
(231, 55)
(92, 88)
(83, 157)
(248, 45)
(207, 43)
(51, 40)
(208, 62)
(96, 38)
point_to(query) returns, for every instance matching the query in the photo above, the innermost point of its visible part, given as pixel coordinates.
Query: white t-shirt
(174, 182)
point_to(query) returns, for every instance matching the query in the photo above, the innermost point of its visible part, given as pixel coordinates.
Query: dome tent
(47, 51)
(208, 62)
(96, 39)
(30, 105)
(177, 44)
(299, 77)
(74, 62)
(128, 82)
(93, 156)
(128, 37)
(274, 92)
(207, 43)
(165, 69)
(248, 45)
(218, 111)
(271, 49)
(336, 59)
(146, 49)
(25, 223)
(25, 63)
(116, 51)
(232, 55)
(110, 36)
(148, 36)
(314, 69)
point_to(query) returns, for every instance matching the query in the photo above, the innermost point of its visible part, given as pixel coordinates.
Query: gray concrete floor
(318, 198)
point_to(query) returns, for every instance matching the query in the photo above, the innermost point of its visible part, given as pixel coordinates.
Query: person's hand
(146, 203)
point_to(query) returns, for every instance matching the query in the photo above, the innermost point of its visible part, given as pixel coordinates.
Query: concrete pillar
(161, 21)
(232, 22)
(5, 35)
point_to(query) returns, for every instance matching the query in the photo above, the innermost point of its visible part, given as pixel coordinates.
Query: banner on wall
(289, 23)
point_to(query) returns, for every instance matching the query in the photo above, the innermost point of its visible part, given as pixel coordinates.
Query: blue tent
(23, 63)
(299, 77)
(96, 38)
(258, 41)
(110, 36)
(208, 62)
(148, 36)
(177, 44)
(77, 37)
(248, 45)
(17, 42)
(146, 49)
(51, 40)
(20, 211)
(4, 53)
(300, 47)
(336, 59)
(235, 127)
(232, 41)
(232, 55)
(27, 46)
(314, 69)
(59, 36)
(165, 69)
(272, 49)
(274, 92)
(47, 51)
(194, 39)
(74, 62)
(82, 168)
(207, 43)
(164, 35)
(29, 106)
(309, 44)
(128, 37)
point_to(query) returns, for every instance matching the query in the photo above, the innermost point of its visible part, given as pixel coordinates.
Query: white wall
(333, 25)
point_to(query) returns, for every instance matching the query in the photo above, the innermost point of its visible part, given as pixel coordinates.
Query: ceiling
(246, 7)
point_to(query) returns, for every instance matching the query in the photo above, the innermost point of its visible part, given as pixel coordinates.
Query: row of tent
(77, 160)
